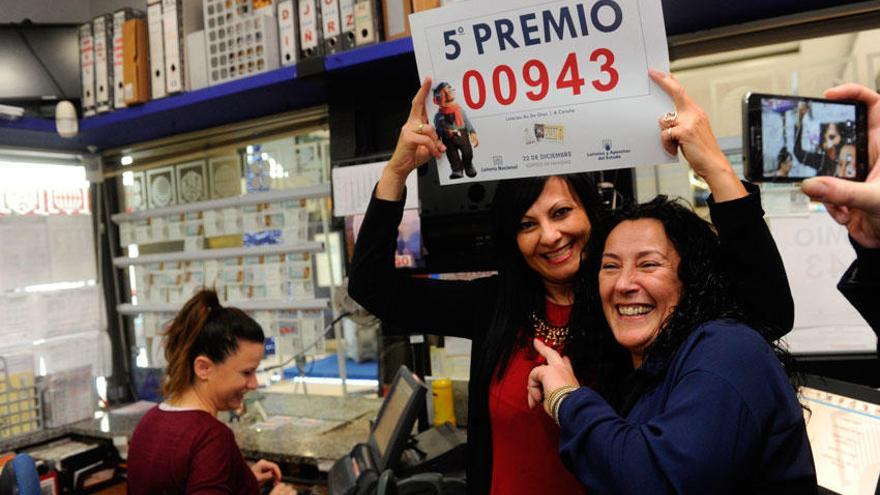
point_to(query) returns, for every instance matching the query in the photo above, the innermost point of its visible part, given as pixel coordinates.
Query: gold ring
(421, 128)
(670, 117)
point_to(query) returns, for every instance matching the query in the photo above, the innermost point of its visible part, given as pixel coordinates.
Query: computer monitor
(390, 432)
(843, 424)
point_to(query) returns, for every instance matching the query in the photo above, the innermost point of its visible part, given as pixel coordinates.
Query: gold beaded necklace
(551, 335)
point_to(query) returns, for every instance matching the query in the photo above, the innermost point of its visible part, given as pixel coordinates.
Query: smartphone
(791, 138)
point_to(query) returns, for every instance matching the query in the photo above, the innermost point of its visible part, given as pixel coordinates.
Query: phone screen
(804, 137)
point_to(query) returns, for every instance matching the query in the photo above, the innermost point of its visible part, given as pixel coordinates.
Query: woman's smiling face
(638, 283)
(553, 232)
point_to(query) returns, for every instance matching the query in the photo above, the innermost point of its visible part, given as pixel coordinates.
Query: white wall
(45, 11)
(61, 11)
(108, 6)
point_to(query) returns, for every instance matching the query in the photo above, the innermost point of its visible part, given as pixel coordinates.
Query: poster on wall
(225, 176)
(522, 88)
(192, 182)
(136, 192)
(161, 187)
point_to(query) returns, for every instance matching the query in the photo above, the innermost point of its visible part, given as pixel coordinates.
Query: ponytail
(203, 328)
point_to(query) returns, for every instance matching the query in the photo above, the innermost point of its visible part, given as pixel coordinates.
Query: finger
(840, 214)
(427, 142)
(536, 396)
(852, 91)
(665, 123)
(671, 86)
(535, 390)
(430, 131)
(276, 471)
(839, 192)
(418, 102)
(547, 352)
(670, 142)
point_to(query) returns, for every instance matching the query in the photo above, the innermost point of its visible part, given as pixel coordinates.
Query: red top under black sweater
(186, 452)
(525, 442)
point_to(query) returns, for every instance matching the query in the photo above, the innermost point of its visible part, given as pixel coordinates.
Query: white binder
(179, 18)
(287, 37)
(118, 89)
(102, 29)
(366, 22)
(196, 61)
(157, 48)
(87, 68)
(346, 18)
(310, 42)
(330, 26)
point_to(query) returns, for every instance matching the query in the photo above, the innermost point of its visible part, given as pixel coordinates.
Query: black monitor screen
(396, 418)
(38, 62)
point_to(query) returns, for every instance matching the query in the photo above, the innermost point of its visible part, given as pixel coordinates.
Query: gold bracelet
(551, 398)
(558, 404)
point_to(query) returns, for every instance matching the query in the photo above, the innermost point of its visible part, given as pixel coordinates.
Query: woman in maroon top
(180, 447)
(541, 227)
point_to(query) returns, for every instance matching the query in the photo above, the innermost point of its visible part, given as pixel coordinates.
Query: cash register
(392, 450)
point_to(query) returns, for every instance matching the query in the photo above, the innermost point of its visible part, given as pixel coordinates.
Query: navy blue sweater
(722, 418)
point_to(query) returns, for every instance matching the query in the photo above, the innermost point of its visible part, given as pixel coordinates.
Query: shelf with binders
(273, 92)
(367, 57)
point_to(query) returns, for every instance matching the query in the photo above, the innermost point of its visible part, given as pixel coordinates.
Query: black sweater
(464, 308)
(860, 285)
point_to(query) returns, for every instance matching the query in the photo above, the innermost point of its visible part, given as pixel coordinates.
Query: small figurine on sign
(456, 132)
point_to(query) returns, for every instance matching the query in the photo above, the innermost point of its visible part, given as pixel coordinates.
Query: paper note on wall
(23, 319)
(72, 251)
(353, 188)
(73, 311)
(25, 244)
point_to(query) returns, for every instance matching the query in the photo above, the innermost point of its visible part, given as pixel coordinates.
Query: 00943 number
(537, 79)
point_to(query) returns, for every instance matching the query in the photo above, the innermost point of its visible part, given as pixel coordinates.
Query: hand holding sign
(688, 128)
(417, 143)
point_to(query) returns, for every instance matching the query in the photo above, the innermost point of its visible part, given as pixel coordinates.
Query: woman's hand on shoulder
(417, 143)
(266, 471)
(548, 377)
(688, 128)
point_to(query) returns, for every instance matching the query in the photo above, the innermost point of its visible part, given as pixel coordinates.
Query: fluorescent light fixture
(126, 160)
(41, 175)
(58, 286)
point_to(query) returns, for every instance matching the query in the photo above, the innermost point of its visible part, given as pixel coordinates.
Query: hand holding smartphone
(791, 138)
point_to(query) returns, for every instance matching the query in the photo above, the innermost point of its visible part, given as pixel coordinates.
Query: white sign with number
(524, 88)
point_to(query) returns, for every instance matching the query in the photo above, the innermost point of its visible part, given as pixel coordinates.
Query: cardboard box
(395, 14)
(135, 61)
(420, 5)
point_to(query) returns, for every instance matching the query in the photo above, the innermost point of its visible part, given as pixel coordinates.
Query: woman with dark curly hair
(709, 407)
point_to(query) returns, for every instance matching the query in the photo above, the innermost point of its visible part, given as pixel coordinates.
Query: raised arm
(752, 259)
(411, 304)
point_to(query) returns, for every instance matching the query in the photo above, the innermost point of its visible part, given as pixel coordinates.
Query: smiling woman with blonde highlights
(180, 447)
